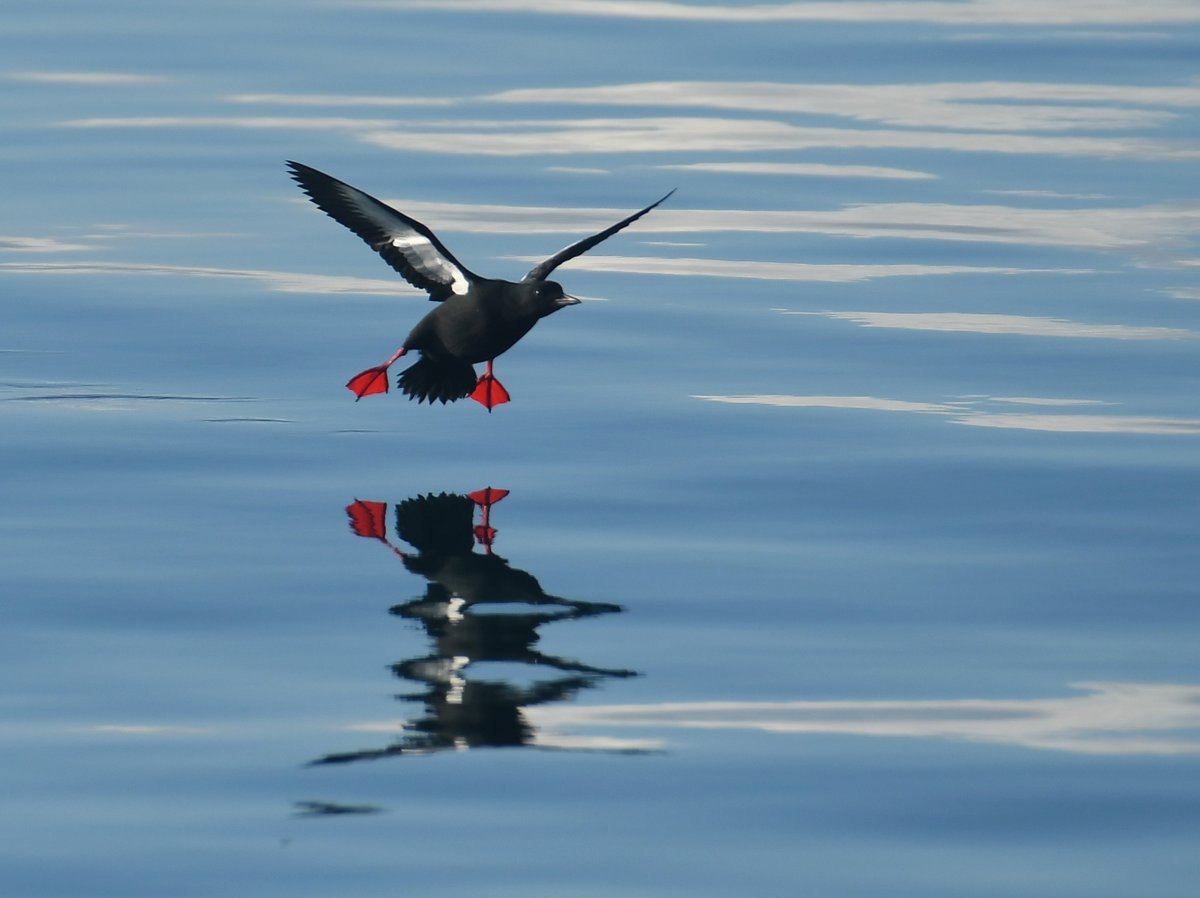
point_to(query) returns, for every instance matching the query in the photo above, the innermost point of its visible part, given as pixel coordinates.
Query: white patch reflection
(1109, 719)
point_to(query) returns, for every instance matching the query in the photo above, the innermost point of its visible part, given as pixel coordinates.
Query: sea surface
(844, 541)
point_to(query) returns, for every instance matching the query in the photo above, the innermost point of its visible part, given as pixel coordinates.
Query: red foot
(368, 519)
(489, 392)
(485, 533)
(487, 496)
(373, 380)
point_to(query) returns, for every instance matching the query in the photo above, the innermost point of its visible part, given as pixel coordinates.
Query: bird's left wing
(542, 271)
(405, 244)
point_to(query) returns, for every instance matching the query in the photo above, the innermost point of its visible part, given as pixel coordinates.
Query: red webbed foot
(488, 391)
(373, 380)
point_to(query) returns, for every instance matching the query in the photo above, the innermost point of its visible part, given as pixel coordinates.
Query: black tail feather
(442, 379)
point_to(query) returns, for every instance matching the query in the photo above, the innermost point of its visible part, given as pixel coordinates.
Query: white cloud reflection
(871, 403)
(700, 134)
(1108, 719)
(657, 134)
(1153, 227)
(803, 169)
(953, 105)
(100, 79)
(148, 729)
(776, 271)
(964, 322)
(974, 412)
(1162, 426)
(277, 281)
(263, 122)
(979, 105)
(39, 245)
(941, 12)
(973, 117)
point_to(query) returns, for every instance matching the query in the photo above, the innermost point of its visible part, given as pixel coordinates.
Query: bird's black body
(475, 327)
(477, 318)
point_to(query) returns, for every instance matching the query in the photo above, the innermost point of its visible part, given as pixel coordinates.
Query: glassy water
(842, 542)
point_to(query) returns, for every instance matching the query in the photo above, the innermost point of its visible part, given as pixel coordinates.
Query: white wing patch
(417, 248)
(424, 256)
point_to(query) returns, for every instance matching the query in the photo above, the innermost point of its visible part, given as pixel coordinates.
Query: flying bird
(476, 319)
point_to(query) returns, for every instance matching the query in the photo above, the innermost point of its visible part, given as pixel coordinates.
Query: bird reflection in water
(459, 612)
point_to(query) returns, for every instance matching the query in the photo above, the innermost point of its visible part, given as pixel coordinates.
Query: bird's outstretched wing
(542, 271)
(405, 244)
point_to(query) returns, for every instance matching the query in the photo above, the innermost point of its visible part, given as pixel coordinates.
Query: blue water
(850, 541)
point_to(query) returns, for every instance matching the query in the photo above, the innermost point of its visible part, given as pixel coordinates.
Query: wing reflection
(459, 613)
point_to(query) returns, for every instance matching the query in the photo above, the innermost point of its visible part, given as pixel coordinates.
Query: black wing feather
(403, 242)
(542, 271)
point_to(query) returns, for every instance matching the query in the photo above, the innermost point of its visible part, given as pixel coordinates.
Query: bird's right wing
(542, 271)
(405, 244)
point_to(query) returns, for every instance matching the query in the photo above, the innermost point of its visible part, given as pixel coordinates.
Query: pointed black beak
(566, 300)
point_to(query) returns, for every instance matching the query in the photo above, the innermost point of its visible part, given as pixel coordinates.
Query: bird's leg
(373, 380)
(485, 533)
(489, 392)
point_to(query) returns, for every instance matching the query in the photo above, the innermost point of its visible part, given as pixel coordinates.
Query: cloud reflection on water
(956, 105)
(937, 12)
(695, 134)
(39, 245)
(803, 169)
(1023, 325)
(1109, 719)
(276, 281)
(963, 105)
(967, 411)
(480, 136)
(1142, 229)
(87, 79)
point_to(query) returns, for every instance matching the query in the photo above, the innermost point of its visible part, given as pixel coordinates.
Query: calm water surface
(849, 541)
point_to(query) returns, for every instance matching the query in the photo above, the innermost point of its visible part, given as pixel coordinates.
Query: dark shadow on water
(332, 809)
(460, 612)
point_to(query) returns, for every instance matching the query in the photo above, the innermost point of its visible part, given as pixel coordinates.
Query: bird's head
(548, 297)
